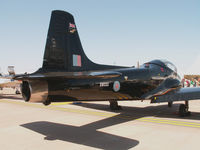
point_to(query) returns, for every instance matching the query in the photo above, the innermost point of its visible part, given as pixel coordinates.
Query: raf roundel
(116, 86)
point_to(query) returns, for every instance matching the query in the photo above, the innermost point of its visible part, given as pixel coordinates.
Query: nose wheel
(183, 109)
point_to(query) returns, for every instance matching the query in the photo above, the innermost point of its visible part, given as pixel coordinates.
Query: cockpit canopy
(162, 63)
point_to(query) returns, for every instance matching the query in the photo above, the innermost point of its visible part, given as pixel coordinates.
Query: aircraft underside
(102, 91)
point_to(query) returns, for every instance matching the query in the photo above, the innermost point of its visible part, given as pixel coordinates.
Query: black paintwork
(182, 94)
(88, 80)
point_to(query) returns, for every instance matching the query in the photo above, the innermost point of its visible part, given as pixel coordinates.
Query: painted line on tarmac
(110, 114)
(38, 105)
(170, 122)
(66, 103)
(63, 103)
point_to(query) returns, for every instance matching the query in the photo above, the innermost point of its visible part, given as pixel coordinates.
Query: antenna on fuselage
(138, 64)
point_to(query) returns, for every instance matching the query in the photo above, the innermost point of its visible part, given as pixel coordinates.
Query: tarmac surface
(91, 125)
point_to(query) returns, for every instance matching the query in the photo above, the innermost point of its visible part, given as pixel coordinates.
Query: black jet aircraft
(68, 75)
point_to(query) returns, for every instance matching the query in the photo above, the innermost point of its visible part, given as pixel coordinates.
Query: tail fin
(63, 49)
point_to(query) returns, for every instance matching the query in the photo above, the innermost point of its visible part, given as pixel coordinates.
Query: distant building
(192, 77)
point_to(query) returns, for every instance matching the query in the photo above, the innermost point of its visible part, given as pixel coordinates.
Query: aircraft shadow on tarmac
(132, 113)
(10, 96)
(90, 136)
(84, 135)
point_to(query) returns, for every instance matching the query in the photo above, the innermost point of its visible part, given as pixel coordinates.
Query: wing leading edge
(181, 94)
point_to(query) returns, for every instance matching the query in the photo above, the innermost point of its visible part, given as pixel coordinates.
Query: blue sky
(112, 31)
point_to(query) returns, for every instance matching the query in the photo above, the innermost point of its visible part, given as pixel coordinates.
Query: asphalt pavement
(92, 125)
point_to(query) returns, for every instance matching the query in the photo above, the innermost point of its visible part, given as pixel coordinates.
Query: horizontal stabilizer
(86, 75)
(182, 94)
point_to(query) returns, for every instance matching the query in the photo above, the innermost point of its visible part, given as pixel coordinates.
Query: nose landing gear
(183, 109)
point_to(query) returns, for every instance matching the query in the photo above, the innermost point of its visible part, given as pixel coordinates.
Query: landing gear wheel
(114, 105)
(183, 110)
(170, 104)
(17, 92)
(47, 102)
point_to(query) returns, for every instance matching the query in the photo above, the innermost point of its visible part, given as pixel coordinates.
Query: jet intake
(34, 90)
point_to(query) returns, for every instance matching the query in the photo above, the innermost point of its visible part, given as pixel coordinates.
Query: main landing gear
(114, 105)
(47, 102)
(170, 104)
(183, 109)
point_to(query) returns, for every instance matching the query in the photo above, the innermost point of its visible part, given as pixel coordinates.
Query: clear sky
(119, 32)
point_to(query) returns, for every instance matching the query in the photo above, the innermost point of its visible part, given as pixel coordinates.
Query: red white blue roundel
(116, 86)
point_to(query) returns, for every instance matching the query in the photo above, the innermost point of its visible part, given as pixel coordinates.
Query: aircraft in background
(10, 83)
(68, 75)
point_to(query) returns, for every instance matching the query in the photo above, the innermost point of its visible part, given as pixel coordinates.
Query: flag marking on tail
(72, 27)
(77, 60)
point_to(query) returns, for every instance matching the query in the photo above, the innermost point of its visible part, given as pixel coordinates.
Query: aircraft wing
(180, 94)
(86, 75)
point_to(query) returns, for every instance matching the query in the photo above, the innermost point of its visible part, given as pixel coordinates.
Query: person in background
(188, 83)
(192, 83)
(183, 82)
(195, 83)
(198, 82)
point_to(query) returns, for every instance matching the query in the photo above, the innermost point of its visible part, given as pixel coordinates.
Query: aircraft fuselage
(134, 84)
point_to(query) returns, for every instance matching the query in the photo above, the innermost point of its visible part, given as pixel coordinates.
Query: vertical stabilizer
(63, 51)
